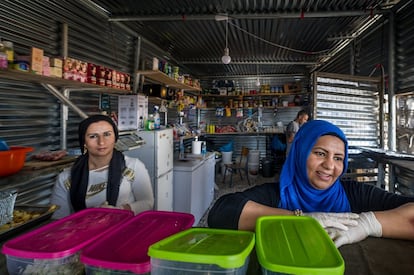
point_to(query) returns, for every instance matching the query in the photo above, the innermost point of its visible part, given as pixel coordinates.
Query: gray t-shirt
(135, 189)
(292, 128)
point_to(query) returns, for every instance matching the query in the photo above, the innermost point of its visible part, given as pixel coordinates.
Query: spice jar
(8, 47)
(3, 56)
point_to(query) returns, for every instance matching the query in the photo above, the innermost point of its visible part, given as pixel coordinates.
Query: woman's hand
(368, 225)
(123, 207)
(340, 221)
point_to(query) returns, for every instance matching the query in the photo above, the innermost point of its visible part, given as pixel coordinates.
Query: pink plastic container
(124, 250)
(54, 248)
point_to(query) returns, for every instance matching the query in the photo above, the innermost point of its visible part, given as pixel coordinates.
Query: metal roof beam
(248, 16)
(252, 62)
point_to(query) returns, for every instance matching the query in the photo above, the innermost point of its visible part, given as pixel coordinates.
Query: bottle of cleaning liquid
(157, 120)
(181, 156)
(204, 149)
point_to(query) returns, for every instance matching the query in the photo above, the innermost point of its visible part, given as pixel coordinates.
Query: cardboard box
(56, 72)
(36, 60)
(56, 62)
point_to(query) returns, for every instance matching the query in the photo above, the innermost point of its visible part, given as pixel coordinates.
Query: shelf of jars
(58, 82)
(255, 95)
(162, 78)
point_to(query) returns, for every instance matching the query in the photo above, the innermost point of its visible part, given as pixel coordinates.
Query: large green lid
(296, 245)
(225, 248)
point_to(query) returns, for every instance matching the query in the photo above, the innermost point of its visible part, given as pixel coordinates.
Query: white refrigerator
(158, 155)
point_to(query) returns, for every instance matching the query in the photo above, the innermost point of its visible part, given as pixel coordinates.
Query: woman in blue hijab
(295, 190)
(310, 184)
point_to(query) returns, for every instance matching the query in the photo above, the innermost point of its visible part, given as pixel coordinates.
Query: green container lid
(296, 245)
(222, 247)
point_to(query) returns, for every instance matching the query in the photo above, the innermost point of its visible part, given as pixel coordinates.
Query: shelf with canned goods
(162, 78)
(58, 82)
(255, 101)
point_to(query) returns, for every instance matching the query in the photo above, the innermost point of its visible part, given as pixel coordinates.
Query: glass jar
(3, 56)
(8, 46)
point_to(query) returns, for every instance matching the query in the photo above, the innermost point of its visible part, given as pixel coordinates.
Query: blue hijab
(295, 190)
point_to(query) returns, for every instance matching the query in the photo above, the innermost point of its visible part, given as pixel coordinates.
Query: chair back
(244, 156)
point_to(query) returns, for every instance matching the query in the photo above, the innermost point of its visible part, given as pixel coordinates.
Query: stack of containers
(296, 245)
(124, 250)
(202, 251)
(253, 163)
(55, 247)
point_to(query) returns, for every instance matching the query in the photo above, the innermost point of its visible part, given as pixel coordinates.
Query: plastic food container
(54, 248)
(12, 160)
(124, 250)
(295, 245)
(202, 251)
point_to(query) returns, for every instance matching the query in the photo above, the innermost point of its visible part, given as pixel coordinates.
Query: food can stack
(202, 251)
(296, 245)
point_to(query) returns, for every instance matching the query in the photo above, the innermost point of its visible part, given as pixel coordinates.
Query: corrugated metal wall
(30, 115)
(405, 49)
(363, 55)
(352, 104)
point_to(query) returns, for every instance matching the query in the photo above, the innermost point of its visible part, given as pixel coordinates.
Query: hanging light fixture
(226, 57)
(257, 80)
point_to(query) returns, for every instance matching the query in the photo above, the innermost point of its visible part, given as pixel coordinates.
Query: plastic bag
(277, 145)
(227, 147)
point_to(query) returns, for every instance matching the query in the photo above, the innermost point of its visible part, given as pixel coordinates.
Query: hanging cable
(226, 56)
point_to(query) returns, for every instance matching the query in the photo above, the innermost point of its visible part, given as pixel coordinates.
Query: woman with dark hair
(102, 176)
(310, 185)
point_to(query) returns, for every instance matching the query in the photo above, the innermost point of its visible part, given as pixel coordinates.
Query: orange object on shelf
(12, 161)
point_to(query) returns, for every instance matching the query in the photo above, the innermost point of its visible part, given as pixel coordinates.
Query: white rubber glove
(368, 225)
(336, 220)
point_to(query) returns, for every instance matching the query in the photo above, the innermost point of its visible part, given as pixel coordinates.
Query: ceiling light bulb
(226, 57)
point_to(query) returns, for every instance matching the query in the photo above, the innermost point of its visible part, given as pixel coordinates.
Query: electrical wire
(278, 45)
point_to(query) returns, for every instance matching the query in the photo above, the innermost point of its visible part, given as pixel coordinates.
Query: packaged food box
(202, 251)
(295, 245)
(36, 60)
(54, 248)
(125, 250)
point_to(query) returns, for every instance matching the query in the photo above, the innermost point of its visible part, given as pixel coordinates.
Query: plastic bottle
(150, 123)
(3, 56)
(8, 46)
(181, 156)
(157, 120)
(204, 149)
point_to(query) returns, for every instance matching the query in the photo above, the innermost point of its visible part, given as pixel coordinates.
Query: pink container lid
(66, 236)
(126, 248)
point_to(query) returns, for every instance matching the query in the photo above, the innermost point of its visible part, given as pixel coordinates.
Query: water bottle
(181, 156)
(204, 149)
(157, 120)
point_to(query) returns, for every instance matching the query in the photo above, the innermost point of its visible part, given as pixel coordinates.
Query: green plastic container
(296, 245)
(202, 251)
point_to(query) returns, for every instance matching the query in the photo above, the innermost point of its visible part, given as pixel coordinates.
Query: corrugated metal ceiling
(264, 36)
